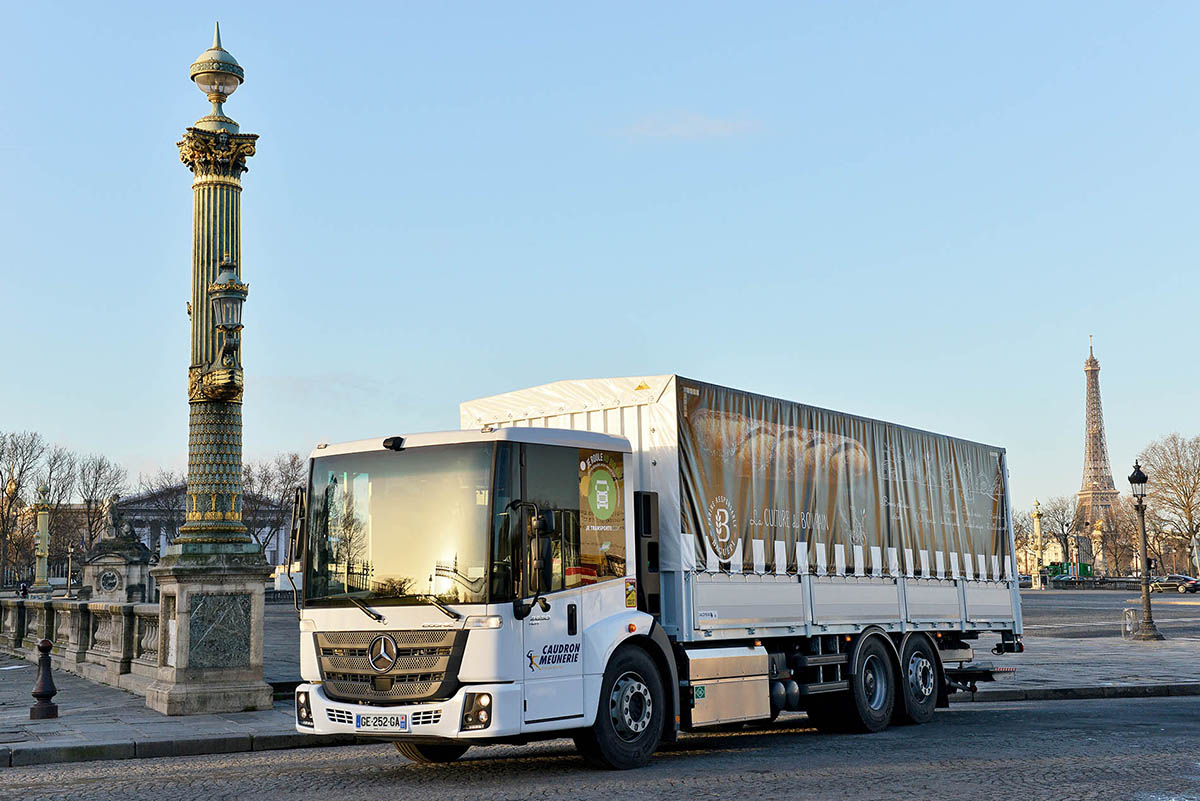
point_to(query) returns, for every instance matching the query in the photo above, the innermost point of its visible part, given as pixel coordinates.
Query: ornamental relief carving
(222, 384)
(216, 153)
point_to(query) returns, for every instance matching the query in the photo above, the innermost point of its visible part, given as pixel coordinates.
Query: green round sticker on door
(602, 493)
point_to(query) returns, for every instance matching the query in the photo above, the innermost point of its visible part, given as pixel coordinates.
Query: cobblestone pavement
(1143, 750)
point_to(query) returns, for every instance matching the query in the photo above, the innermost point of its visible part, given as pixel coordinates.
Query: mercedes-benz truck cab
(473, 586)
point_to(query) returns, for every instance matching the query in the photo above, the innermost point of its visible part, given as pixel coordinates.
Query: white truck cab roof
(536, 436)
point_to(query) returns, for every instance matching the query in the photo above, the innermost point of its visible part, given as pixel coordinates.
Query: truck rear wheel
(867, 706)
(630, 717)
(426, 753)
(872, 688)
(919, 678)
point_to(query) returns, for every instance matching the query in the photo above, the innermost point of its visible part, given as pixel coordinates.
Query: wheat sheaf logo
(722, 530)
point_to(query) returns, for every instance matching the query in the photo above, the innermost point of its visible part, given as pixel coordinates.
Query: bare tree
(20, 453)
(268, 489)
(1058, 521)
(1023, 535)
(58, 476)
(1121, 541)
(99, 479)
(165, 493)
(1172, 464)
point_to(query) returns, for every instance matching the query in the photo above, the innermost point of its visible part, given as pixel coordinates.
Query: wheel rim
(920, 676)
(874, 682)
(630, 706)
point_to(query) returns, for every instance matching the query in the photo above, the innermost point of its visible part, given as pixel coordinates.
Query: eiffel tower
(1098, 495)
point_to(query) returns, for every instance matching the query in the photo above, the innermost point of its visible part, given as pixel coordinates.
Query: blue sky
(916, 212)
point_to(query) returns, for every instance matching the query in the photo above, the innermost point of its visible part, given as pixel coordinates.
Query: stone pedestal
(210, 628)
(116, 571)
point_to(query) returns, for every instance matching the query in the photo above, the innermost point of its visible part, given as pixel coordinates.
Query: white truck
(619, 560)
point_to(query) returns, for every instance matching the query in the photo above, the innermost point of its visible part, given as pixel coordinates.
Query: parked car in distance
(1025, 582)
(1176, 582)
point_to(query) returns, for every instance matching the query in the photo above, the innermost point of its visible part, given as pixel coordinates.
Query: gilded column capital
(216, 154)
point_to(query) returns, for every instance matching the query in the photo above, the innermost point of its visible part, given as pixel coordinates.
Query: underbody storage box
(724, 685)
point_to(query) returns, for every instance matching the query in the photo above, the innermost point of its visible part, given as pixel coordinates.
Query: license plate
(381, 722)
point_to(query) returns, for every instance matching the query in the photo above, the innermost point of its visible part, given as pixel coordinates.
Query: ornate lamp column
(1137, 481)
(1036, 577)
(41, 581)
(211, 578)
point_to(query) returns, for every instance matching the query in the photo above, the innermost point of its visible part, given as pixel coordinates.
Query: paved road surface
(1144, 750)
(1097, 613)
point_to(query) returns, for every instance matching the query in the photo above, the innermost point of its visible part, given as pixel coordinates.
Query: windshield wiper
(368, 611)
(433, 599)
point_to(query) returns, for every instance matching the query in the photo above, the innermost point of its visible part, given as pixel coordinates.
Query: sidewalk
(1102, 667)
(96, 721)
(100, 722)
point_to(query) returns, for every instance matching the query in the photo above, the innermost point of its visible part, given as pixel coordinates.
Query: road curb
(1080, 693)
(27, 754)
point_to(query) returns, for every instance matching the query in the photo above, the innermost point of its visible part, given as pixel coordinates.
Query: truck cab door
(553, 661)
(552, 638)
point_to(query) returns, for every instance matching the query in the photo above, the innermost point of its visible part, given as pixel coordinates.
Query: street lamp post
(1137, 480)
(211, 577)
(70, 559)
(1036, 574)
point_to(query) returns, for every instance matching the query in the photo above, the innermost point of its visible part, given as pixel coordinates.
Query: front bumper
(441, 719)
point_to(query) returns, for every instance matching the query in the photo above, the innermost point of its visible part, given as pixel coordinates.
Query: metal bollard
(44, 690)
(1129, 622)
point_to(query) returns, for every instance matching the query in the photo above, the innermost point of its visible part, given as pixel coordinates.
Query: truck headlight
(483, 622)
(303, 709)
(476, 711)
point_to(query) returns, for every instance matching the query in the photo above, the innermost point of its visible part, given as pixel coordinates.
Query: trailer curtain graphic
(754, 468)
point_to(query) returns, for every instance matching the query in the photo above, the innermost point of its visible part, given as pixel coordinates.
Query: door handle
(572, 620)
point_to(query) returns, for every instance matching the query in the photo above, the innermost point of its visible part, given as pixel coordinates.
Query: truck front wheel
(426, 753)
(631, 714)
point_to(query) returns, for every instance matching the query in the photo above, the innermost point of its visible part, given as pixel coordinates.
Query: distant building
(157, 516)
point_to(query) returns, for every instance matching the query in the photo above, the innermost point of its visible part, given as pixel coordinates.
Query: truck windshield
(388, 527)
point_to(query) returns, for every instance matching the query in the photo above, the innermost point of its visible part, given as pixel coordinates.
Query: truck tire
(872, 688)
(919, 678)
(428, 754)
(828, 715)
(631, 714)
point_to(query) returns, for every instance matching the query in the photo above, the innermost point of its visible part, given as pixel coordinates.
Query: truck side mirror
(296, 541)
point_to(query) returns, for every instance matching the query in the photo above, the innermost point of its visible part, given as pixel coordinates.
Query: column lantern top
(217, 74)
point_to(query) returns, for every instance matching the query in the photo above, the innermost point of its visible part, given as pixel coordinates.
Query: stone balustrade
(12, 624)
(112, 643)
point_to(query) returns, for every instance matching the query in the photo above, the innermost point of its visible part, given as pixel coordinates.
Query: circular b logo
(722, 533)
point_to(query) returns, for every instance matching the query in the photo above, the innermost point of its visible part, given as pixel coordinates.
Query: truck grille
(426, 665)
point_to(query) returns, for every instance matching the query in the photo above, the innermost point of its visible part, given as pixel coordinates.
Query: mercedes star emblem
(382, 653)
